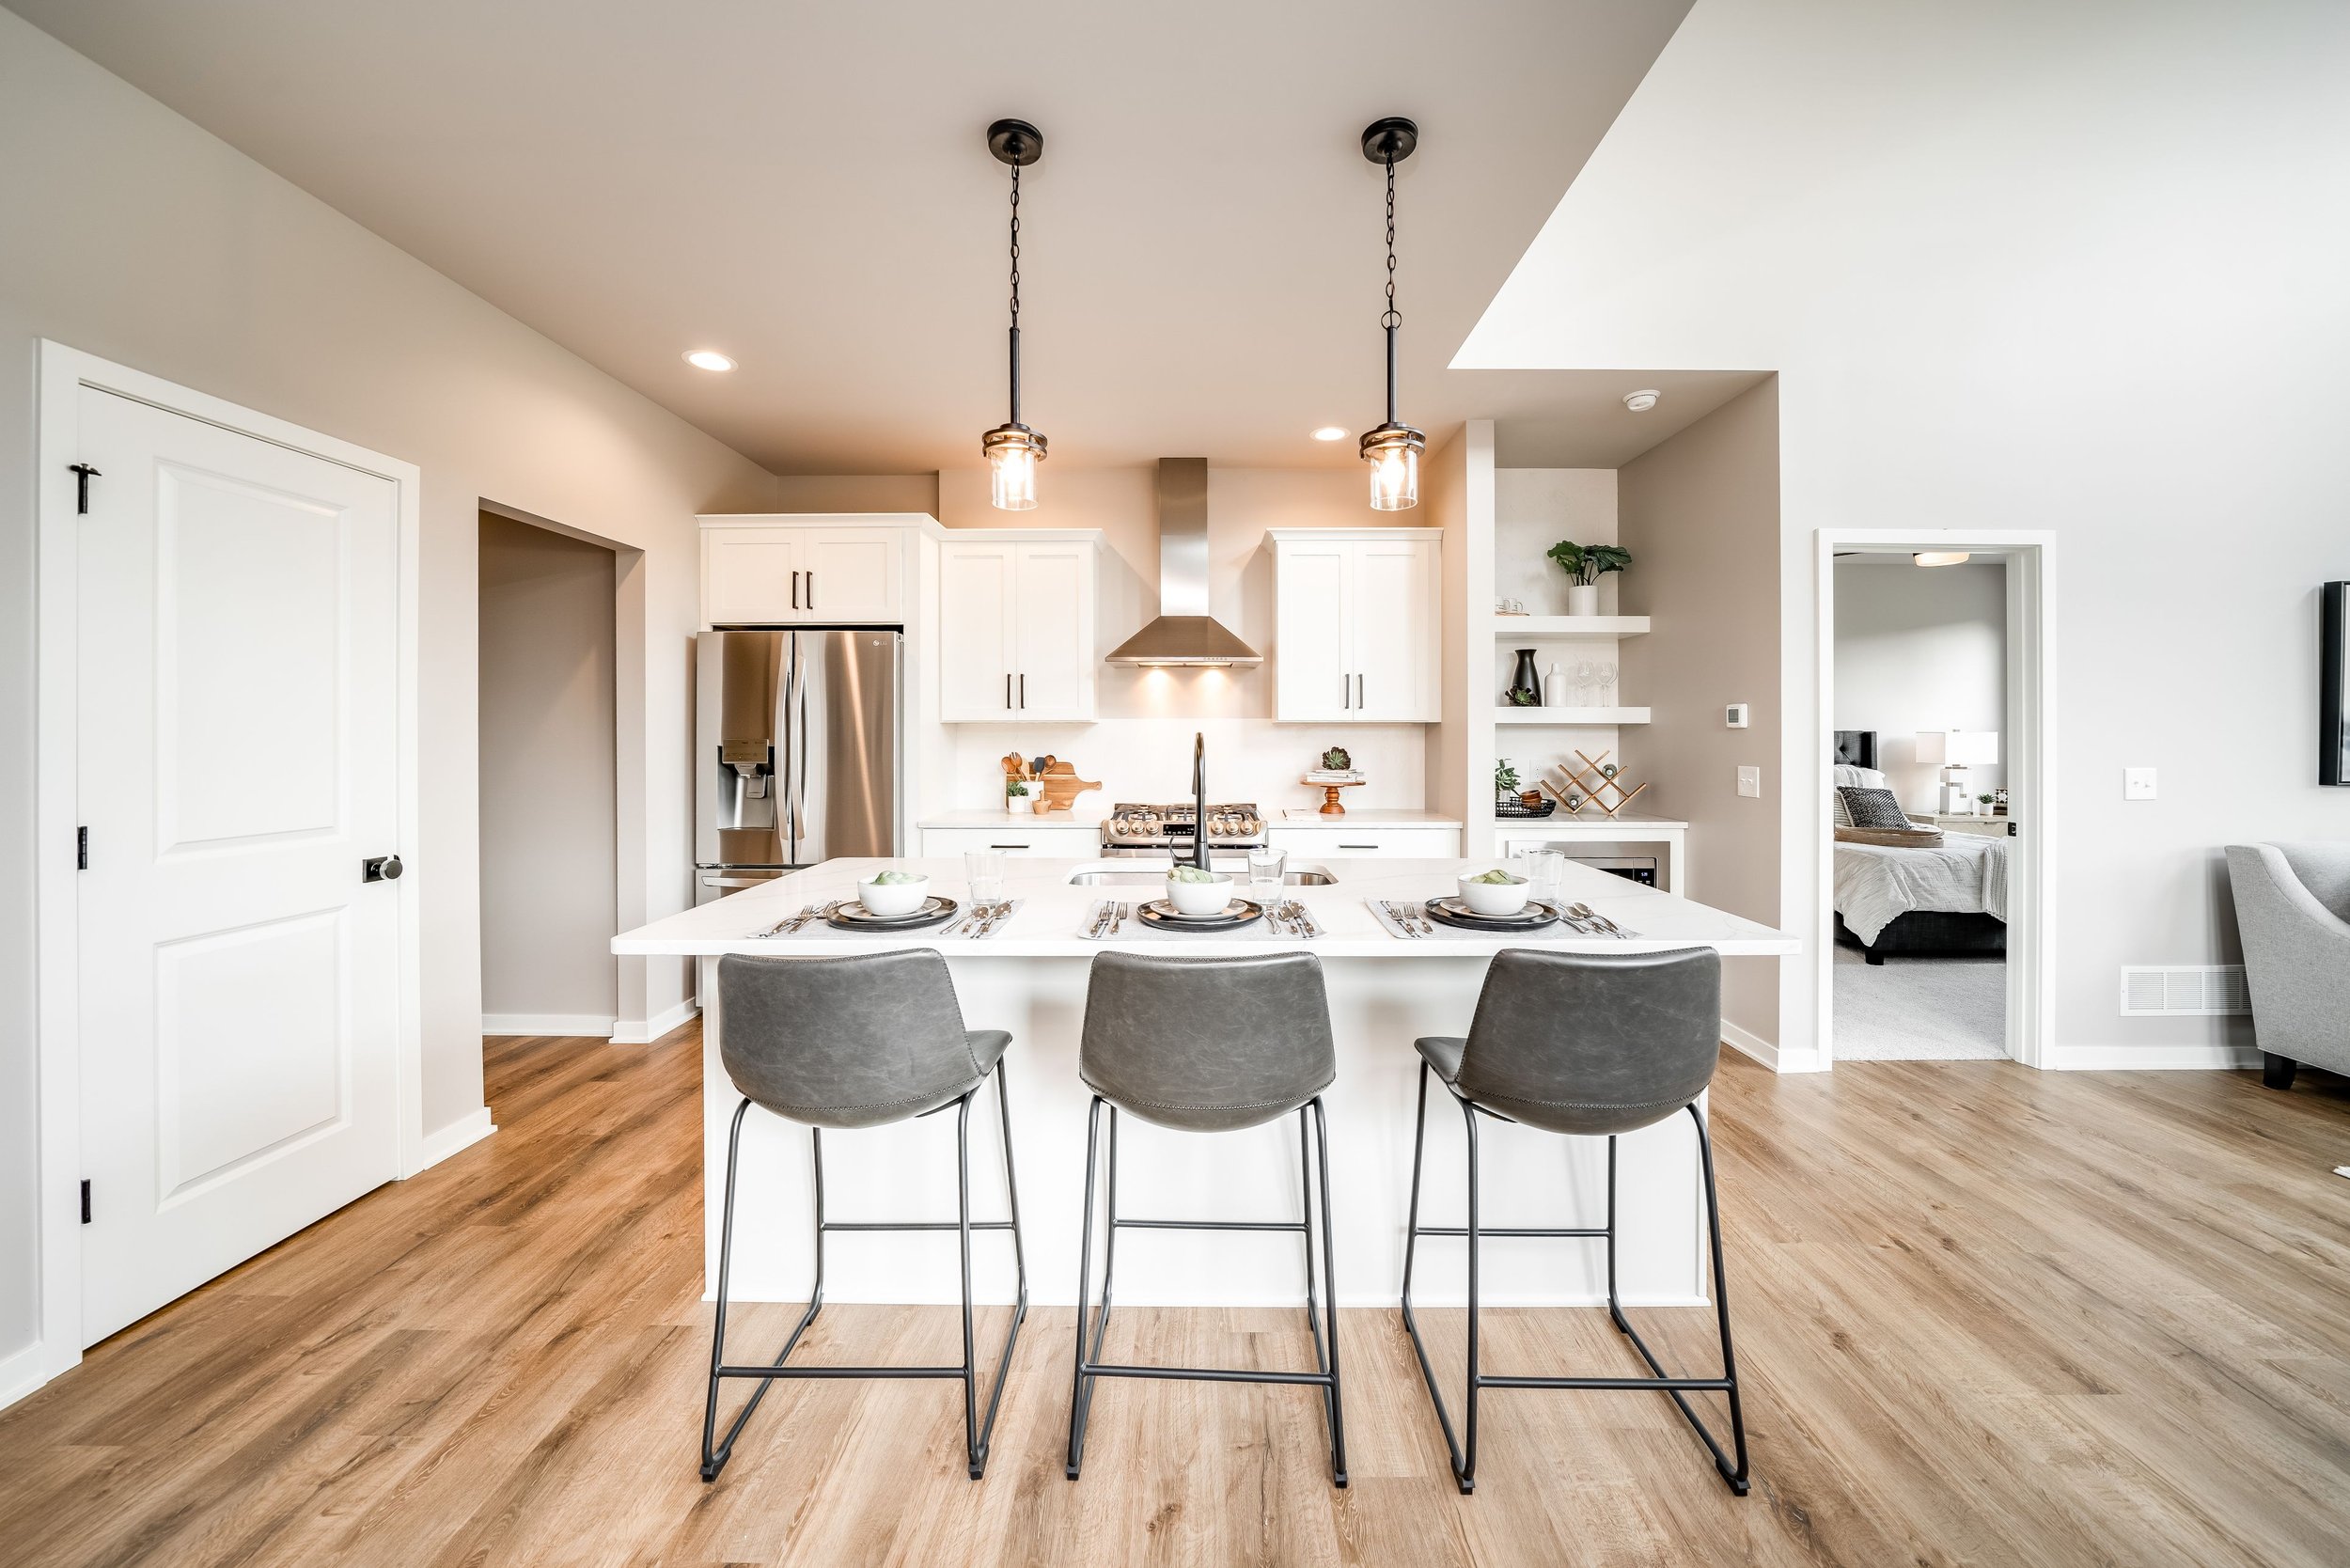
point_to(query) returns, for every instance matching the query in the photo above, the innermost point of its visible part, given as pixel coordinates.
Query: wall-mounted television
(2333, 685)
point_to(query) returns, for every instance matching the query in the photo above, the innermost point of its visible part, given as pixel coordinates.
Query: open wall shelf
(1561, 716)
(1508, 626)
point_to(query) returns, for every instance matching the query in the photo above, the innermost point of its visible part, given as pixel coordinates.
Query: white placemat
(1135, 927)
(1407, 921)
(960, 928)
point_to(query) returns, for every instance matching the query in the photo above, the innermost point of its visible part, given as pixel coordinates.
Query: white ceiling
(806, 188)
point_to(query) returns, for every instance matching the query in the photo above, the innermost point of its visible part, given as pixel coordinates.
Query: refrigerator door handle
(799, 775)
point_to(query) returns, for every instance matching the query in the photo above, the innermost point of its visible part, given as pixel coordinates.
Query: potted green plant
(1016, 799)
(1585, 565)
(1505, 780)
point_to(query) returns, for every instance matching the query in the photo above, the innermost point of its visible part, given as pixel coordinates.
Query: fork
(1123, 910)
(777, 929)
(812, 913)
(1102, 914)
(1404, 921)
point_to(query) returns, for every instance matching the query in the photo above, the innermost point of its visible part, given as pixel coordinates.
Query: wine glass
(1607, 684)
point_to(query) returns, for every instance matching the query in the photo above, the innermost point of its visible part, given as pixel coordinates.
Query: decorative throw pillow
(1876, 808)
(1851, 774)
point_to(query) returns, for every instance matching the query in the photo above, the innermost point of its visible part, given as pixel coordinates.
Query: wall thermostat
(1734, 716)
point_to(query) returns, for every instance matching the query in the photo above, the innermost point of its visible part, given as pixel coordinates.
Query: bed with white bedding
(1905, 901)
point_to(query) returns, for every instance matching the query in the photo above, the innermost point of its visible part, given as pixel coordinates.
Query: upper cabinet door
(1396, 614)
(1053, 633)
(1313, 631)
(751, 577)
(976, 594)
(852, 574)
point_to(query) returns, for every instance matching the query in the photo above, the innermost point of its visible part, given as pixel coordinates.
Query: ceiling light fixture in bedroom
(1014, 450)
(1942, 558)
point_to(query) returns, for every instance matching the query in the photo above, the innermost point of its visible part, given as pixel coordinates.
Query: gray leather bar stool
(849, 1042)
(1207, 1046)
(1589, 1045)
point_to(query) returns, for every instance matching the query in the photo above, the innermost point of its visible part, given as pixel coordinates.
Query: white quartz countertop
(1052, 911)
(1310, 816)
(990, 816)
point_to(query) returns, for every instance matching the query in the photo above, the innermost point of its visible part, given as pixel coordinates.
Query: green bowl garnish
(1496, 879)
(1192, 874)
(895, 879)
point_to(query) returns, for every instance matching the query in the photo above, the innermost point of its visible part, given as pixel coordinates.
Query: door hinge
(83, 473)
(81, 849)
(85, 1201)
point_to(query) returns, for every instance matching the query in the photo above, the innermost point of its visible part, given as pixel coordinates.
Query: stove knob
(1252, 824)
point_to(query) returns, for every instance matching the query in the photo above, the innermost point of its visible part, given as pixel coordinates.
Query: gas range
(1134, 829)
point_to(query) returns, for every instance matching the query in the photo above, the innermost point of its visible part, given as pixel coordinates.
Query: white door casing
(238, 748)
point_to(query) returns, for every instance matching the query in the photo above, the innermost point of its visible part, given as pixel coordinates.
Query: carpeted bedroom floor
(1919, 1008)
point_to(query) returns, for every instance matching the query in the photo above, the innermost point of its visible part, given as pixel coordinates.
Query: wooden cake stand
(1330, 805)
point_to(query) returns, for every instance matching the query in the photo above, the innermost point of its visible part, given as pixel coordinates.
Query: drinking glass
(1541, 867)
(1586, 676)
(1264, 870)
(984, 870)
(1607, 684)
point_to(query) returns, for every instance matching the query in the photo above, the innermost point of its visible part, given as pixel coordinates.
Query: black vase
(1525, 686)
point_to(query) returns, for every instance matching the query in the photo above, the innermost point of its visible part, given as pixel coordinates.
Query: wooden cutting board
(1056, 788)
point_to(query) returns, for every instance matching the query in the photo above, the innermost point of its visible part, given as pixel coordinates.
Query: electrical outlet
(1750, 783)
(2137, 783)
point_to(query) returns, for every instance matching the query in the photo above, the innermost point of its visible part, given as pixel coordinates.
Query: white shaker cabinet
(781, 572)
(1356, 614)
(1016, 626)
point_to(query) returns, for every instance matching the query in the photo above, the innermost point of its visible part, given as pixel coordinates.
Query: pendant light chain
(1015, 242)
(1391, 319)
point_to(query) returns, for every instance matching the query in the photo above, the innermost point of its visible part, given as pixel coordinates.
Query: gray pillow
(1874, 808)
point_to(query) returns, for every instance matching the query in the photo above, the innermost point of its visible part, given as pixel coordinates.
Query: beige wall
(1141, 747)
(549, 809)
(135, 236)
(855, 493)
(1699, 513)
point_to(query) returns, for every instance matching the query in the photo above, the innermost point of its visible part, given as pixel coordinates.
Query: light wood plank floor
(1986, 1316)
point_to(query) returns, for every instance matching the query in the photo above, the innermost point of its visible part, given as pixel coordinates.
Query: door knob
(381, 867)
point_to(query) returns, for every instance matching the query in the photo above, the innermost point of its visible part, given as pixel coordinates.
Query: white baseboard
(597, 1024)
(2150, 1058)
(1750, 1044)
(461, 1133)
(644, 1031)
(24, 1372)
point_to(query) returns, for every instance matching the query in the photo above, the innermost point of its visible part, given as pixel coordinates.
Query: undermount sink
(1152, 874)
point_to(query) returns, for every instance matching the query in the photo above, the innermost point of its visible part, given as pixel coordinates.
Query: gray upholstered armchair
(2293, 906)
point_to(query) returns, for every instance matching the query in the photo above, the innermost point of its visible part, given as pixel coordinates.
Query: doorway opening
(550, 770)
(1934, 665)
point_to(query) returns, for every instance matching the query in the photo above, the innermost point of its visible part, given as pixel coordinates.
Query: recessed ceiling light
(1941, 557)
(1330, 432)
(1642, 400)
(709, 360)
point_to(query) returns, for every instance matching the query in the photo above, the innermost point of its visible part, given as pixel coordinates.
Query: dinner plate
(1164, 915)
(852, 915)
(1451, 911)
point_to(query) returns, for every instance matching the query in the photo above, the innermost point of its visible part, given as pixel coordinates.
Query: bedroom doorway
(1933, 717)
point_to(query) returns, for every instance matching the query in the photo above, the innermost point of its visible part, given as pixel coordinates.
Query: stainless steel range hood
(1184, 631)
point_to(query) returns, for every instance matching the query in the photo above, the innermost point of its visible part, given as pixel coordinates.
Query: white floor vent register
(2207, 989)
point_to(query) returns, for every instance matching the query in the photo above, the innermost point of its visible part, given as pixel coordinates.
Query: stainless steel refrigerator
(799, 752)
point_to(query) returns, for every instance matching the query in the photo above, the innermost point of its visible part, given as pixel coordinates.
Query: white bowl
(1495, 898)
(888, 898)
(1200, 898)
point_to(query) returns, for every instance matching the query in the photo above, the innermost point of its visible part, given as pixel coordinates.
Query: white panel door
(976, 595)
(1395, 644)
(1312, 669)
(852, 574)
(239, 746)
(1053, 632)
(751, 577)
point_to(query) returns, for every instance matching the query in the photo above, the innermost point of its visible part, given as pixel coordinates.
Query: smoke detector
(1642, 400)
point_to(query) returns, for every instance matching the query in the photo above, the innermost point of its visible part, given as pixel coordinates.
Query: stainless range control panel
(1235, 825)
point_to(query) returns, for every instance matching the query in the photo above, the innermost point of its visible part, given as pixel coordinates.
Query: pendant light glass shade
(1393, 453)
(1012, 453)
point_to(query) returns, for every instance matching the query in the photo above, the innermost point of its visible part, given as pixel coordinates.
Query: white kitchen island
(1030, 978)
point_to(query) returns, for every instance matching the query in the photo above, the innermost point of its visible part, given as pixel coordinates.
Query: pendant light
(1392, 449)
(1014, 450)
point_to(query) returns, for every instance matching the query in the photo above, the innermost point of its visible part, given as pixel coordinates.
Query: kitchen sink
(1154, 873)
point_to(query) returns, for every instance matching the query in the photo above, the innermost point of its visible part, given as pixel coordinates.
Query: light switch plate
(2137, 783)
(1750, 783)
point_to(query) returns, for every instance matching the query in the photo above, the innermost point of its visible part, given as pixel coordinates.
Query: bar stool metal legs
(1321, 1325)
(1464, 1444)
(978, 1430)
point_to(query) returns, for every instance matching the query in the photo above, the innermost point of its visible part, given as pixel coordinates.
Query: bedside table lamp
(1955, 751)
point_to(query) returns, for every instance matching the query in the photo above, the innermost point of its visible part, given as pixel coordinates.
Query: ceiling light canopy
(709, 360)
(1393, 449)
(1330, 432)
(1014, 450)
(1942, 558)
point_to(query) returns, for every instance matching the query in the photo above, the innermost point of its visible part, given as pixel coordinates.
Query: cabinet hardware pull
(796, 590)
(811, 591)
(1024, 688)
(1007, 691)
(1008, 846)
(1361, 700)
(1346, 691)
(1358, 846)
